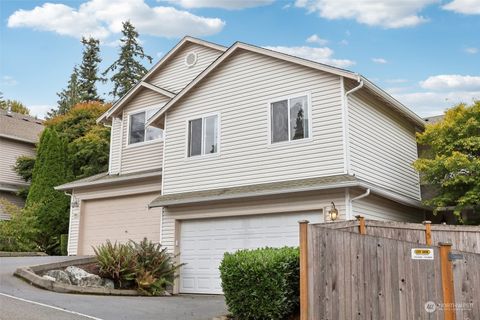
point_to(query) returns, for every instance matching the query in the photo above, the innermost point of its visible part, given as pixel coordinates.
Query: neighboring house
(219, 149)
(18, 135)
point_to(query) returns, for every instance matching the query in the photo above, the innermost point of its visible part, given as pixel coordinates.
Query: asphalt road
(19, 300)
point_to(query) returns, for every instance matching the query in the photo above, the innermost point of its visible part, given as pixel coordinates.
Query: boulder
(49, 278)
(82, 278)
(108, 283)
(59, 276)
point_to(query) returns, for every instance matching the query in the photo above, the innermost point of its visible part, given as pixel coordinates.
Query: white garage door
(203, 243)
(118, 219)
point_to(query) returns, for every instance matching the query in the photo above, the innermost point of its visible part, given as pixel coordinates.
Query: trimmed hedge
(262, 283)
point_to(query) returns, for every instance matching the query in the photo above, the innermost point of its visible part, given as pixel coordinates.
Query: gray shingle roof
(20, 127)
(263, 189)
(105, 178)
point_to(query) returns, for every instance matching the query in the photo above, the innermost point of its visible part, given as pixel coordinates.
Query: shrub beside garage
(262, 283)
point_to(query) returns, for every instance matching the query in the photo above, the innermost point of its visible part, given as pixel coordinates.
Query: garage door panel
(204, 242)
(118, 219)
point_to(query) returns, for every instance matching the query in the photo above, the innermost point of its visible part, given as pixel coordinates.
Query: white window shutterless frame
(137, 132)
(203, 135)
(290, 118)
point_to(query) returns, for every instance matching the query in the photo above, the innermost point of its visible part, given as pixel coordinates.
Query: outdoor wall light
(333, 212)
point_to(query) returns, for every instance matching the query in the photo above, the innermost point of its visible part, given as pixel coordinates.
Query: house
(218, 149)
(18, 135)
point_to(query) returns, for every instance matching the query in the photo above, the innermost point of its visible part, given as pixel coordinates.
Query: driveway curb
(29, 274)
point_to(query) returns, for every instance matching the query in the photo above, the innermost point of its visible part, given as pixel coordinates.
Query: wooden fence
(364, 270)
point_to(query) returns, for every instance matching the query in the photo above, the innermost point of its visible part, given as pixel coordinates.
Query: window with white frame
(137, 130)
(289, 119)
(203, 136)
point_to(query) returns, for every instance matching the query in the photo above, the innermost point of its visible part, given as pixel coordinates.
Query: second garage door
(117, 219)
(203, 243)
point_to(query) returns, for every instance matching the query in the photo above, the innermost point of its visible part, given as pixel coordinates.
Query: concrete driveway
(19, 300)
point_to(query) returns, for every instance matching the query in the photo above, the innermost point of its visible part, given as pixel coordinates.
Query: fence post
(361, 228)
(447, 282)
(303, 269)
(428, 232)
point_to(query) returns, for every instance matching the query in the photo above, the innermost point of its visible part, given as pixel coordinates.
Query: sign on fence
(422, 254)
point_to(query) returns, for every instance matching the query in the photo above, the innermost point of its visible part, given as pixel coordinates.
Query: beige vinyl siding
(115, 146)
(10, 150)
(73, 227)
(141, 156)
(377, 208)
(382, 146)
(298, 202)
(12, 198)
(146, 186)
(240, 92)
(175, 75)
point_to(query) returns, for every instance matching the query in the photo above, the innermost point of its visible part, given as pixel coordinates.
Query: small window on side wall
(203, 136)
(138, 132)
(290, 119)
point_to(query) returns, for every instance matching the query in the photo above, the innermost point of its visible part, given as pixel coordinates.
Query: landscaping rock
(82, 278)
(49, 278)
(59, 276)
(108, 283)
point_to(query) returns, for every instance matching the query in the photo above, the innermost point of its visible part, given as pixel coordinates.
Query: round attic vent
(190, 59)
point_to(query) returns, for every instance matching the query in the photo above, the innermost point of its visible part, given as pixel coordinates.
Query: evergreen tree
(50, 206)
(67, 97)
(127, 69)
(88, 73)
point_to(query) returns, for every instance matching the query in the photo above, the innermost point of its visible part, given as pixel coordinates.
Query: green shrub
(64, 244)
(144, 265)
(18, 234)
(154, 267)
(262, 283)
(117, 262)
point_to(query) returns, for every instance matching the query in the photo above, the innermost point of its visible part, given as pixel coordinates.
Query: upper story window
(290, 119)
(137, 130)
(203, 136)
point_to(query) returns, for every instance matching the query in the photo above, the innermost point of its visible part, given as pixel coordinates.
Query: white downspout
(346, 122)
(363, 195)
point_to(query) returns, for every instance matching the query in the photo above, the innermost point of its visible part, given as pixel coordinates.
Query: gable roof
(20, 127)
(143, 84)
(297, 60)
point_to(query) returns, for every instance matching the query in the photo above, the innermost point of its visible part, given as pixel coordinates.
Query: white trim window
(203, 135)
(137, 132)
(290, 119)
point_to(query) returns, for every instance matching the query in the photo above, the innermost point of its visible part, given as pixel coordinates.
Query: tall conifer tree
(127, 70)
(68, 97)
(88, 73)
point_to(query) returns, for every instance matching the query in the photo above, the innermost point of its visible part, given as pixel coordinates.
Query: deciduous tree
(452, 159)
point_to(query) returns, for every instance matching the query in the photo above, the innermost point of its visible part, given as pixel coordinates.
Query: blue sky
(426, 53)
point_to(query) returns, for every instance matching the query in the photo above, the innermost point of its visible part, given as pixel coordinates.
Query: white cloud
(222, 4)
(471, 50)
(101, 18)
(385, 13)
(463, 6)
(8, 81)
(39, 110)
(344, 42)
(322, 55)
(434, 103)
(379, 60)
(316, 39)
(452, 82)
